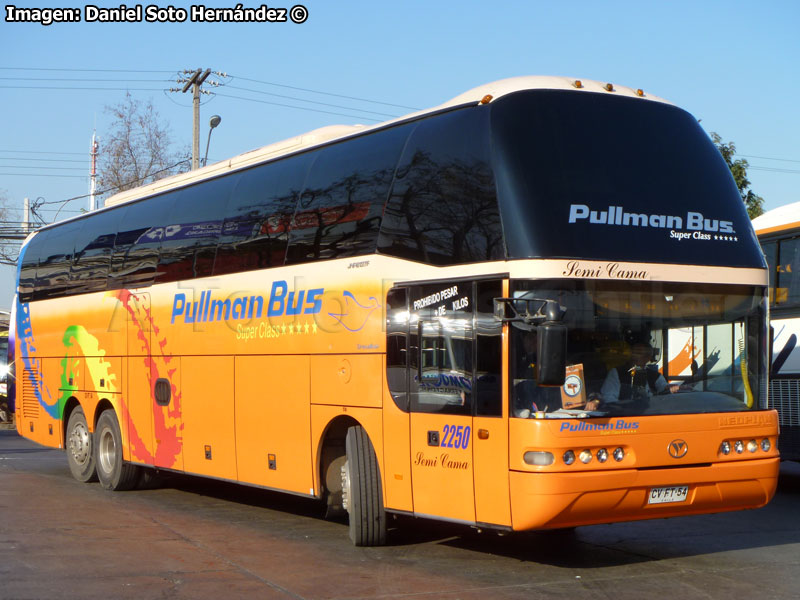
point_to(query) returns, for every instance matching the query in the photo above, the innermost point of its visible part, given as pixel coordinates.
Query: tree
(738, 167)
(11, 233)
(138, 148)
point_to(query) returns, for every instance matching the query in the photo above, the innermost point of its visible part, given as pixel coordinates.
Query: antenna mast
(93, 173)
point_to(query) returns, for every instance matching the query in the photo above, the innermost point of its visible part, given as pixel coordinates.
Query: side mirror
(552, 353)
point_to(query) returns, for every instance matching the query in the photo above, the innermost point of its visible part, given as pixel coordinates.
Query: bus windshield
(645, 349)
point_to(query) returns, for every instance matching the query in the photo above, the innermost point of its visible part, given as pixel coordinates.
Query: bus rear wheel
(362, 494)
(80, 450)
(113, 473)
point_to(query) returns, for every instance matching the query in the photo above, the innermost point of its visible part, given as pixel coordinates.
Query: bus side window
(137, 244)
(771, 253)
(94, 245)
(443, 206)
(192, 230)
(442, 380)
(489, 354)
(341, 206)
(256, 228)
(30, 262)
(787, 291)
(397, 346)
(52, 274)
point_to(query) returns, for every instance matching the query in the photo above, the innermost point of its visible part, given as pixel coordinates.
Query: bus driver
(637, 379)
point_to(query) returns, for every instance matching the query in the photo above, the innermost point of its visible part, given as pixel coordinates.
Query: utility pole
(26, 216)
(93, 174)
(195, 81)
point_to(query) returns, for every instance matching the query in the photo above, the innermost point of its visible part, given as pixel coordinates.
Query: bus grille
(30, 405)
(784, 396)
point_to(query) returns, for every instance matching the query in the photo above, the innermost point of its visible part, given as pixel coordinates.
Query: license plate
(662, 495)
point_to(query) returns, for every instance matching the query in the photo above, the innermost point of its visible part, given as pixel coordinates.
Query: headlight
(569, 457)
(539, 459)
(602, 455)
(586, 456)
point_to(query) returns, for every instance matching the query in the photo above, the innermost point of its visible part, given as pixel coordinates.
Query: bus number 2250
(456, 436)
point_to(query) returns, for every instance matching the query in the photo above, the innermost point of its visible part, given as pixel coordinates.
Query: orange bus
(538, 305)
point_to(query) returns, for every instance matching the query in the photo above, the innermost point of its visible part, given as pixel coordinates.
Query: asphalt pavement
(199, 538)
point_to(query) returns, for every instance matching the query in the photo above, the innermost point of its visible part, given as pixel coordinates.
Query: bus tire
(80, 448)
(362, 490)
(114, 473)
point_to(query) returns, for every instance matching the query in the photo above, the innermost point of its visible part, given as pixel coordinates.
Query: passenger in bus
(637, 379)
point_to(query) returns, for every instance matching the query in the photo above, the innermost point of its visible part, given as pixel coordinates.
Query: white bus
(778, 231)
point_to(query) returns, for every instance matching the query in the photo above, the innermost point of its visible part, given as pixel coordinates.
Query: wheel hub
(79, 443)
(107, 451)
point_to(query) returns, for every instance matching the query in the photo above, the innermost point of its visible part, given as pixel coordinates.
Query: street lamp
(213, 122)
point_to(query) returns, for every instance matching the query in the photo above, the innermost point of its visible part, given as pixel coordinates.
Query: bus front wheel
(113, 473)
(80, 451)
(361, 490)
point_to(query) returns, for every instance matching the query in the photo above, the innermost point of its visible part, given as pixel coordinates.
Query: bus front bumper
(553, 500)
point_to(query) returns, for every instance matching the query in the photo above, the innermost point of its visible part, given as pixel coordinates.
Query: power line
(327, 112)
(42, 175)
(40, 167)
(768, 158)
(774, 169)
(42, 152)
(62, 160)
(82, 79)
(325, 93)
(272, 83)
(233, 87)
(95, 89)
(115, 188)
(82, 70)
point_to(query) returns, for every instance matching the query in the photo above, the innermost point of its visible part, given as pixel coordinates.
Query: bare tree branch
(137, 150)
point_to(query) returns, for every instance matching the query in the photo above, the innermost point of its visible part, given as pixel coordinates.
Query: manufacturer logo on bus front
(678, 448)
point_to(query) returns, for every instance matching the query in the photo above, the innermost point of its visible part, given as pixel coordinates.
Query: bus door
(490, 424)
(452, 389)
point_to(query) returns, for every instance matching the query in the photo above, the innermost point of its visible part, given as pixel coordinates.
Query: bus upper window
(340, 210)
(52, 273)
(94, 245)
(190, 238)
(443, 207)
(30, 261)
(255, 232)
(136, 247)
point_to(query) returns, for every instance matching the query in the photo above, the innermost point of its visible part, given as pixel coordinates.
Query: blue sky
(734, 65)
